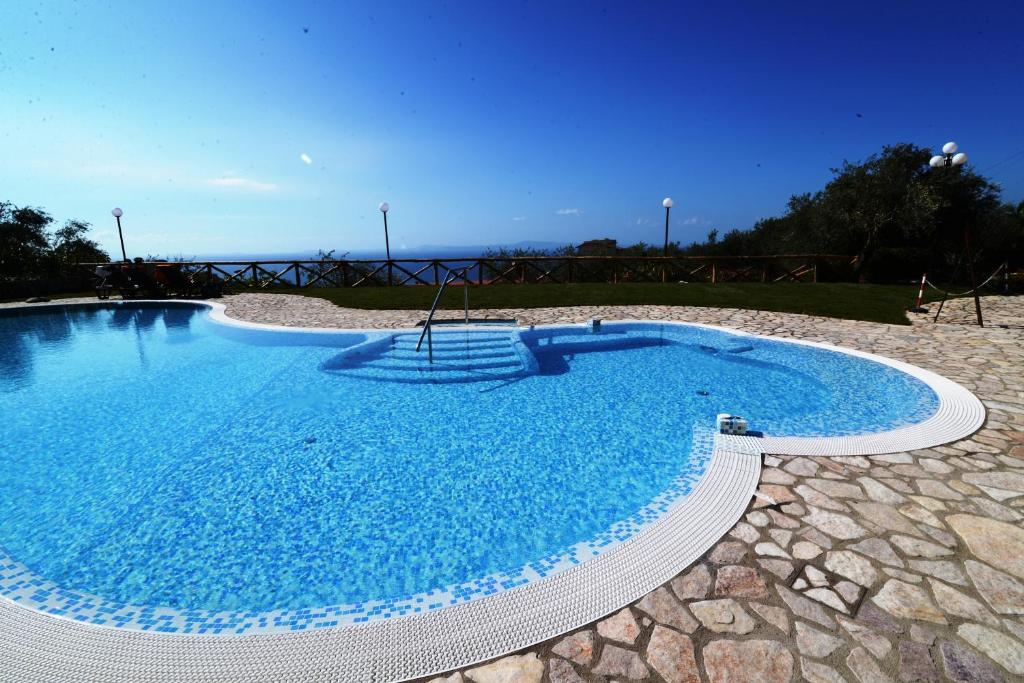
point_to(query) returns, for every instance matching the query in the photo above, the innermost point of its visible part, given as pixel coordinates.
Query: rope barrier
(969, 291)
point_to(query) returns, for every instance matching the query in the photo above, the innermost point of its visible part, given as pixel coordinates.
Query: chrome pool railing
(449, 277)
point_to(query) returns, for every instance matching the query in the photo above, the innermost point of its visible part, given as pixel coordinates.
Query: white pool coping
(36, 646)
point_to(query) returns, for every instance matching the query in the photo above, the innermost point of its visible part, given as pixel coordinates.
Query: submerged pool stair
(459, 355)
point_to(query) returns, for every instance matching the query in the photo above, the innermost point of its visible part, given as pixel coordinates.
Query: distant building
(605, 247)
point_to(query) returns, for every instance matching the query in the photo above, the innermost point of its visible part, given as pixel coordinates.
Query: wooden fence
(511, 270)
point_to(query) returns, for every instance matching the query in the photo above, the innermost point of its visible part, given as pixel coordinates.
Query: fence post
(714, 272)
(298, 276)
(814, 278)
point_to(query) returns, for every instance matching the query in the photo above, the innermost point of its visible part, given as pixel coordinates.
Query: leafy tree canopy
(29, 248)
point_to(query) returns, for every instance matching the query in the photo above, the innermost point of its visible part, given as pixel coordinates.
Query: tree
(28, 250)
(23, 240)
(894, 213)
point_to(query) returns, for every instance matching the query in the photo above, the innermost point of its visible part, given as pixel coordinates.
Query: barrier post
(920, 295)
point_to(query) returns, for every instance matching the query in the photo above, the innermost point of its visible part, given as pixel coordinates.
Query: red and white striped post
(920, 295)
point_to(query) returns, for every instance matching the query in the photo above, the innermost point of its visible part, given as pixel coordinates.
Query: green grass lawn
(877, 303)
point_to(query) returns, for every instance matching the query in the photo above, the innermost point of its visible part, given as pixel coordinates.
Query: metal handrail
(449, 277)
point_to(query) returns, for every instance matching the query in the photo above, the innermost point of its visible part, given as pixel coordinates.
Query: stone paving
(904, 567)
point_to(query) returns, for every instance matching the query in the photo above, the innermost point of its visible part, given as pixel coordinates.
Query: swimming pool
(175, 473)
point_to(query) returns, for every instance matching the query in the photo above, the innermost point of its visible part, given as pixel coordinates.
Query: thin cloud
(242, 184)
(569, 212)
(643, 221)
(518, 218)
(694, 220)
(305, 159)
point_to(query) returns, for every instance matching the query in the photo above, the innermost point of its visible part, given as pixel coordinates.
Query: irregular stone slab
(728, 552)
(864, 667)
(780, 568)
(836, 489)
(1001, 591)
(515, 669)
(735, 581)
(781, 536)
(771, 550)
(815, 672)
(999, 494)
(561, 671)
(876, 644)
(906, 601)
(620, 627)
(920, 634)
(990, 508)
(745, 532)
(828, 597)
(772, 475)
(578, 647)
(671, 655)
(965, 666)
(919, 514)
(886, 517)
(848, 591)
(665, 609)
(936, 489)
(916, 664)
(902, 575)
(816, 498)
(776, 616)
(617, 661)
(802, 607)
(723, 616)
(693, 585)
(814, 643)
(935, 465)
(997, 543)
(758, 518)
(871, 615)
(878, 549)
(781, 520)
(940, 569)
(879, 492)
(805, 550)
(835, 525)
(773, 494)
(1008, 481)
(748, 661)
(801, 467)
(816, 537)
(915, 547)
(1000, 648)
(930, 504)
(943, 537)
(851, 565)
(956, 603)
(815, 576)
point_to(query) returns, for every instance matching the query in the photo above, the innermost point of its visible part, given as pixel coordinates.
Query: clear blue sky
(480, 122)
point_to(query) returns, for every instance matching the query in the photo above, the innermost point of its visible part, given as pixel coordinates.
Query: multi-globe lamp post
(952, 158)
(116, 212)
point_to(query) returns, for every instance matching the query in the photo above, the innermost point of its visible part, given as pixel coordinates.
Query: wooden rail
(512, 270)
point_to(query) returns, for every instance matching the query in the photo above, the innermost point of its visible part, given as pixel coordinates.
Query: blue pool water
(153, 456)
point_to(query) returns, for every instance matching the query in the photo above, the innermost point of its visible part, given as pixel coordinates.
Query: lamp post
(667, 203)
(116, 212)
(952, 158)
(384, 207)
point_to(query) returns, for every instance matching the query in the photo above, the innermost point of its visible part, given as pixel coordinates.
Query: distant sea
(425, 251)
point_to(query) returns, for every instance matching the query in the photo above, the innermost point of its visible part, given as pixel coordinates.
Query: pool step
(458, 356)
